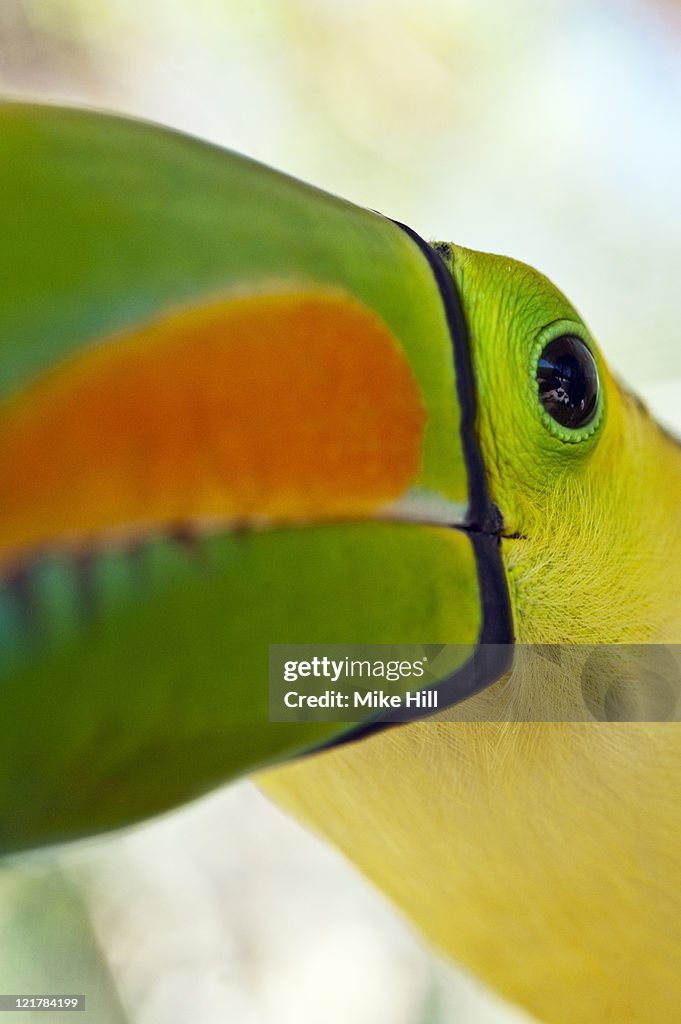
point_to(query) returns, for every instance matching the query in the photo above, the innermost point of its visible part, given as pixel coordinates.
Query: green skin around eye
(548, 334)
(513, 312)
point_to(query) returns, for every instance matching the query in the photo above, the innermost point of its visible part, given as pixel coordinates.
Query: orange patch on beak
(282, 407)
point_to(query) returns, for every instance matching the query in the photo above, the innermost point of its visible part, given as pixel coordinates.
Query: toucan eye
(568, 381)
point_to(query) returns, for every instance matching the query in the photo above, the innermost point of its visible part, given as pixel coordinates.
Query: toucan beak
(286, 460)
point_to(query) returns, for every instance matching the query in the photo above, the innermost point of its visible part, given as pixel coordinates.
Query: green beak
(234, 411)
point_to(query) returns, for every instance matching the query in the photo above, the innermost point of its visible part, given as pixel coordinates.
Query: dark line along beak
(493, 654)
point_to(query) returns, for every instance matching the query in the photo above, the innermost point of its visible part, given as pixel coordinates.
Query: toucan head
(236, 411)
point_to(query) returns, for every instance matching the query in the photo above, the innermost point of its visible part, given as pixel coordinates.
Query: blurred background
(544, 129)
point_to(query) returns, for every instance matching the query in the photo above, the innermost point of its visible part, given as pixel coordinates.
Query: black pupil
(568, 381)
